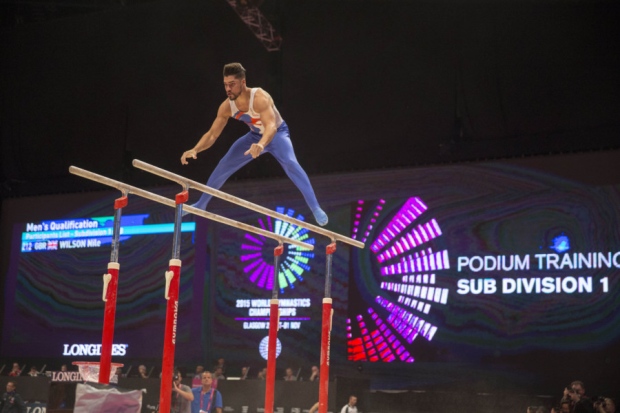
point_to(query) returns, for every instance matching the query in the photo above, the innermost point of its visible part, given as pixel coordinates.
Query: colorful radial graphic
(263, 347)
(257, 252)
(408, 267)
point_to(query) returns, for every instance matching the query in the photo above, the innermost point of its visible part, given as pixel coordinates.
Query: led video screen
(53, 289)
(486, 266)
(244, 281)
(477, 267)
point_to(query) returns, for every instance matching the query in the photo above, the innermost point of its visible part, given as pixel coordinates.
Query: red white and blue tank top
(251, 117)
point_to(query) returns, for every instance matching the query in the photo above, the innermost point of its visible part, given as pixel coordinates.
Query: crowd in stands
(218, 371)
(574, 398)
(17, 371)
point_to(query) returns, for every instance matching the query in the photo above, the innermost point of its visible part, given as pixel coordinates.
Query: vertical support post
(326, 330)
(110, 287)
(274, 325)
(173, 283)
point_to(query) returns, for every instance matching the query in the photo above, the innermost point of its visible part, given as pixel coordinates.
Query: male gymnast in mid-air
(268, 133)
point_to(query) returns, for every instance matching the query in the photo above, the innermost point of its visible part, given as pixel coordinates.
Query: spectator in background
(244, 373)
(564, 407)
(262, 375)
(15, 371)
(579, 387)
(289, 376)
(206, 398)
(605, 405)
(350, 407)
(218, 373)
(579, 403)
(64, 368)
(142, 371)
(315, 374)
(33, 372)
(222, 364)
(182, 395)
(12, 402)
(197, 379)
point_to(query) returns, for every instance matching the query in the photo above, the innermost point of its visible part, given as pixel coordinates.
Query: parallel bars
(327, 300)
(172, 276)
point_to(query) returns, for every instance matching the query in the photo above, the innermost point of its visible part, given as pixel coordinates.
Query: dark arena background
(473, 146)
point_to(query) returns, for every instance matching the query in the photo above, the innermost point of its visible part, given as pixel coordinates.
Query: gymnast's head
(234, 80)
(234, 69)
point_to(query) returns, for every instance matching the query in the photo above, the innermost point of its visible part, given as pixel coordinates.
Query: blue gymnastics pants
(280, 147)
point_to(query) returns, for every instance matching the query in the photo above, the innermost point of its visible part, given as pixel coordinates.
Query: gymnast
(268, 133)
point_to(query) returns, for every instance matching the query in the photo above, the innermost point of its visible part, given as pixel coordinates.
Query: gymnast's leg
(282, 149)
(228, 165)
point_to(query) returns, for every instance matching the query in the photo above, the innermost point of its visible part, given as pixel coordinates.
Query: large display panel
(489, 273)
(243, 289)
(52, 294)
(488, 269)
(53, 286)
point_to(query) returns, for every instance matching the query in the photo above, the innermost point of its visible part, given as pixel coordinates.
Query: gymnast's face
(233, 86)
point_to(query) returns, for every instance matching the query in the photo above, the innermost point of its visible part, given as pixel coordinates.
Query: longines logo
(93, 349)
(68, 376)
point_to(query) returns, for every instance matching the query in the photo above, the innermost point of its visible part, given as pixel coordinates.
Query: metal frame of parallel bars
(172, 275)
(327, 312)
(110, 287)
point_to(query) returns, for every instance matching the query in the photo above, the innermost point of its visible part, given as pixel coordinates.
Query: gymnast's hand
(188, 154)
(255, 150)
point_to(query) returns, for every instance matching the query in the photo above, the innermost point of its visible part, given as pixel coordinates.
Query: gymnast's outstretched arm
(209, 138)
